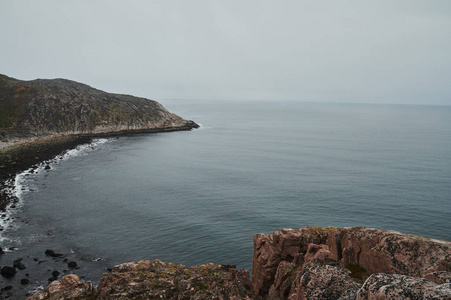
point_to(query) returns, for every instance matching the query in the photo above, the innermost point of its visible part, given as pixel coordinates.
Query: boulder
(18, 264)
(391, 252)
(395, 286)
(322, 279)
(72, 264)
(8, 271)
(70, 287)
(52, 253)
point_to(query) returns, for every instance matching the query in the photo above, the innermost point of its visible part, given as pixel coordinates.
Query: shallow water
(200, 196)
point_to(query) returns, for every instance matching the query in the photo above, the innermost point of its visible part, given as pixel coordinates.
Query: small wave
(99, 259)
(85, 148)
(34, 290)
(201, 126)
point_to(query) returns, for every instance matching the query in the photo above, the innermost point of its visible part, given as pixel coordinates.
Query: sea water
(252, 167)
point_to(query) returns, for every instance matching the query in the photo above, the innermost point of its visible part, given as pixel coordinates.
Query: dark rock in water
(53, 278)
(55, 273)
(47, 167)
(24, 281)
(1, 250)
(72, 264)
(8, 272)
(18, 264)
(52, 253)
(7, 288)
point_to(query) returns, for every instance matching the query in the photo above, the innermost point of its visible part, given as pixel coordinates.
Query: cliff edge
(306, 263)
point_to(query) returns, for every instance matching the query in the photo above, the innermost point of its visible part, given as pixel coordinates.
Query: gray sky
(335, 51)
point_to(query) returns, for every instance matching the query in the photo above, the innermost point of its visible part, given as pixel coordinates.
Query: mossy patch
(327, 229)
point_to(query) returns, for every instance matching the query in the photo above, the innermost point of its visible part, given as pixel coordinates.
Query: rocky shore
(40, 120)
(25, 153)
(307, 263)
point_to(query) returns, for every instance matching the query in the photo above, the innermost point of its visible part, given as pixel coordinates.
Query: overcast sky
(334, 51)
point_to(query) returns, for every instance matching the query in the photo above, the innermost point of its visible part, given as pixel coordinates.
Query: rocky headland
(41, 118)
(306, 263)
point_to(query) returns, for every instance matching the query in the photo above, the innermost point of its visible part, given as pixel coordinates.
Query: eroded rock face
(270, 250)
(296, 260)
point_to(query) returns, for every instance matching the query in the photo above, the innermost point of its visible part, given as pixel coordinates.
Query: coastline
(24, 153)
(19, 156)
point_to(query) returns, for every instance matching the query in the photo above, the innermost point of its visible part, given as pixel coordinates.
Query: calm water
(200, 196)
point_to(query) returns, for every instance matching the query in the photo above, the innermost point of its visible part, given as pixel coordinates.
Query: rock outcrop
(329, 263)
(308, 263)
(54, 106)
(156, 280)
(70, 287)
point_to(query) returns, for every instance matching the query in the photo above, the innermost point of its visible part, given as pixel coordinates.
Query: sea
(200, 196)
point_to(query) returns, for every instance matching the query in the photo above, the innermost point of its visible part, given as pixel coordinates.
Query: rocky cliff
(307, 263)
(350, 263)
(52, 106)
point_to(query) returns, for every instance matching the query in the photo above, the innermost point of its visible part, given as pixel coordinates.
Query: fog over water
(335, 51)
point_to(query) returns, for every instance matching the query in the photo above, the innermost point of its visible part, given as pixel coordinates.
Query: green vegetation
(322, 228)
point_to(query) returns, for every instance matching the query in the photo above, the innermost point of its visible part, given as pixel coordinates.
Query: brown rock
(439, 277)
(317, 251)
(365, 250)
(70, 287)
(156, 279)
(283, 245)
(394, 286)
(282, 280)
(383, 251)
